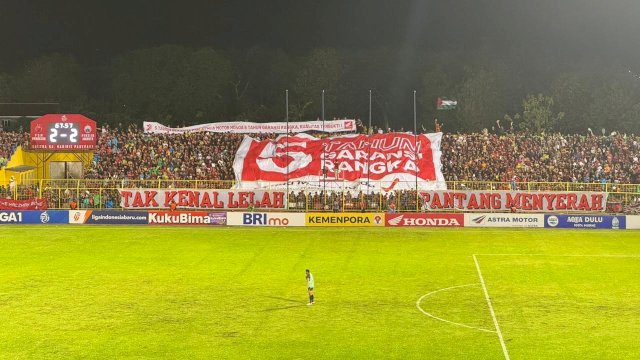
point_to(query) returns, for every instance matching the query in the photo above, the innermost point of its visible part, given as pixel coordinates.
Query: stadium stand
(470, 161)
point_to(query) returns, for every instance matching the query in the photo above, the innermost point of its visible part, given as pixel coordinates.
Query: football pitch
(240, 293)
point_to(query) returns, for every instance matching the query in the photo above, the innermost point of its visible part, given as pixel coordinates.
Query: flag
(444, 104)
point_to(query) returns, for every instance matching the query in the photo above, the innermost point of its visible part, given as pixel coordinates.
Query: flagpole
(287, 147)
(415, 139)
(369, 133)
(369, 128)
(324, 153)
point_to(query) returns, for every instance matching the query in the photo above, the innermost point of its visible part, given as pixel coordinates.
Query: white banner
(265, 219)
(241, 127)
(503, 220)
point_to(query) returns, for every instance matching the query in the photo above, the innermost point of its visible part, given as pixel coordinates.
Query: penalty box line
(622, 256)
(488, 298)
(493, 313)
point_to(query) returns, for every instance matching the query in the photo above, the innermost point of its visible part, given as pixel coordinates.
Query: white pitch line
(444, 320)
(631, 256)
(493, 314)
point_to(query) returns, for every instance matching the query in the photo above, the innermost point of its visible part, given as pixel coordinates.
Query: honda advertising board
(344, 219)
(187, 218)
(425, 220)
(265, 219)
(34, 217)
(108, 217)
(503, 220)
(585, 221)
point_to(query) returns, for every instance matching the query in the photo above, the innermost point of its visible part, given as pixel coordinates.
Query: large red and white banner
(200, 199)
(344, 162)
(242, 127)
(514, 200)
(30, 204)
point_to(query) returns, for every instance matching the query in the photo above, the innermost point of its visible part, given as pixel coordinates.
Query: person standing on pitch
(310, 285)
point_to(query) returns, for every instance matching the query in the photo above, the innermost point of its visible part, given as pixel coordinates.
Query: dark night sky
(98, 30)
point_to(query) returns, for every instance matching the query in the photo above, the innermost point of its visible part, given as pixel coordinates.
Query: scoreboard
(63, 132)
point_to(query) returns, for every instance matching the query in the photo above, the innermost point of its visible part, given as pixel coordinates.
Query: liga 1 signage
(424, 220)
(496, 200)
(344, 219)
(200, 199)
(34, 217)
(265, 219)
(503, 220)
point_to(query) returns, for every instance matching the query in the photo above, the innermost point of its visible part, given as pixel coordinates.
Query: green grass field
(240, 293)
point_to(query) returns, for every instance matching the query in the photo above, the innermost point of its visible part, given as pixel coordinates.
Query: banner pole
(324, 169)
(287, 147)
(415, 138)
(368, 134)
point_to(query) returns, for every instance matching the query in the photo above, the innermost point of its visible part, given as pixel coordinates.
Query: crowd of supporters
(129, 153)
(546, 158)
(9, 141)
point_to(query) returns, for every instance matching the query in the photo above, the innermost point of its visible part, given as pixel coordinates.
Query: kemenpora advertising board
(34, 217)
(187, 218)
(585, 221)
(503, 220)
(344, 219)
(108, 217)
(265, 219)
(424, 220)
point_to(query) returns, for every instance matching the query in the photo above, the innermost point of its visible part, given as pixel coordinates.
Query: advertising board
(344, 219)
(187, 218)
(633, 222)
(34, 217)
(503, 220)
(265, 219)
(425, 220)
(585, 221)
(108, 217)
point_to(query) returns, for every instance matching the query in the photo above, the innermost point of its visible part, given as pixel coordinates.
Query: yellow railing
(100, 194)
